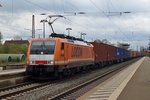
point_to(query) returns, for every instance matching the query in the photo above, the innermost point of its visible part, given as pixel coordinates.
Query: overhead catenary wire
(82, 26)
(107, 17)
(41, 7)
(134, 24)
(75, 8)
(116, 10)
(87, 19)
(55, 14)
(37, 5)
(69, 20)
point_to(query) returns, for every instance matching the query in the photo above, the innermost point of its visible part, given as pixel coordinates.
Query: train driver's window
(62, 46)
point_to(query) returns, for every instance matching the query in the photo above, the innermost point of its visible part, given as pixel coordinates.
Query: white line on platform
(117, 92)
(112, 87)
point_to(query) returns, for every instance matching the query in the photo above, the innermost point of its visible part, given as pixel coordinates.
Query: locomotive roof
(77, 42)
(84, 43)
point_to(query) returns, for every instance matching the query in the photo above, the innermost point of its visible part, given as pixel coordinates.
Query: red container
(104, 52)
(133, 54)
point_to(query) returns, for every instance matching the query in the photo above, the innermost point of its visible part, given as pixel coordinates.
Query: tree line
(13, 49)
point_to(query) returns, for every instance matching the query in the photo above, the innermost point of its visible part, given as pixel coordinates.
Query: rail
(69, 92)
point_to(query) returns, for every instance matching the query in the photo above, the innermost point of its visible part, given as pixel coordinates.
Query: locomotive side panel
(59, 54)
(78, 55)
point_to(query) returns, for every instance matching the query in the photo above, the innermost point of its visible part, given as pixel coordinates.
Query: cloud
(97, 22)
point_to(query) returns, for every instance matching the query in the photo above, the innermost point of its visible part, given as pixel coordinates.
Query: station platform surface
(11, 71)
(132, 83)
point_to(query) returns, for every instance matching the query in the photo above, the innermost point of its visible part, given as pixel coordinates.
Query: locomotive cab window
(42, 47)
(62, 46)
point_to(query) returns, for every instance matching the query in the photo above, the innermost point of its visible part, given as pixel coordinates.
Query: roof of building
(7, 42)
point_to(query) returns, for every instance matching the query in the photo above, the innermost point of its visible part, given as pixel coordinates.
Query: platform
(132, 83)
(11, 77)
(11, 71)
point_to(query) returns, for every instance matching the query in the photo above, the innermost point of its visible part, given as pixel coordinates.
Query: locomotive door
(62, 54)
(64, 51)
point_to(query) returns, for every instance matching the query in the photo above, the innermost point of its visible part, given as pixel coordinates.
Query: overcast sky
(101, 20)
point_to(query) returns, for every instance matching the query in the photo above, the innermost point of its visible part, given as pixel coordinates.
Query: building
(9, 42)
(123, 45)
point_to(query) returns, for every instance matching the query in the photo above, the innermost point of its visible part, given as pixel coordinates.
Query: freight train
(62, 55)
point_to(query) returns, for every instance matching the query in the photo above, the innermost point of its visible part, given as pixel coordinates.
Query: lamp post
(43, 21)
(83, 34)
(68, 30)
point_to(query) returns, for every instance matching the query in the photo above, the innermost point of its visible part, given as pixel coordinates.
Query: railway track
(12, 91)
(14, 86)
(75, 92)
(60, 88)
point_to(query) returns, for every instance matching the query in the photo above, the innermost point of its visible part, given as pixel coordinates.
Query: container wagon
(104, 53)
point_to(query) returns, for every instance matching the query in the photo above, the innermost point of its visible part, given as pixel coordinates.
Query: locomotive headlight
(50, 62)
(31, 62)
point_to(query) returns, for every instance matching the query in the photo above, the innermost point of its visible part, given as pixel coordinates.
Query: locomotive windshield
(42, 47)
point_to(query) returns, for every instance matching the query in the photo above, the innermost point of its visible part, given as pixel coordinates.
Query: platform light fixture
(68, 30)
